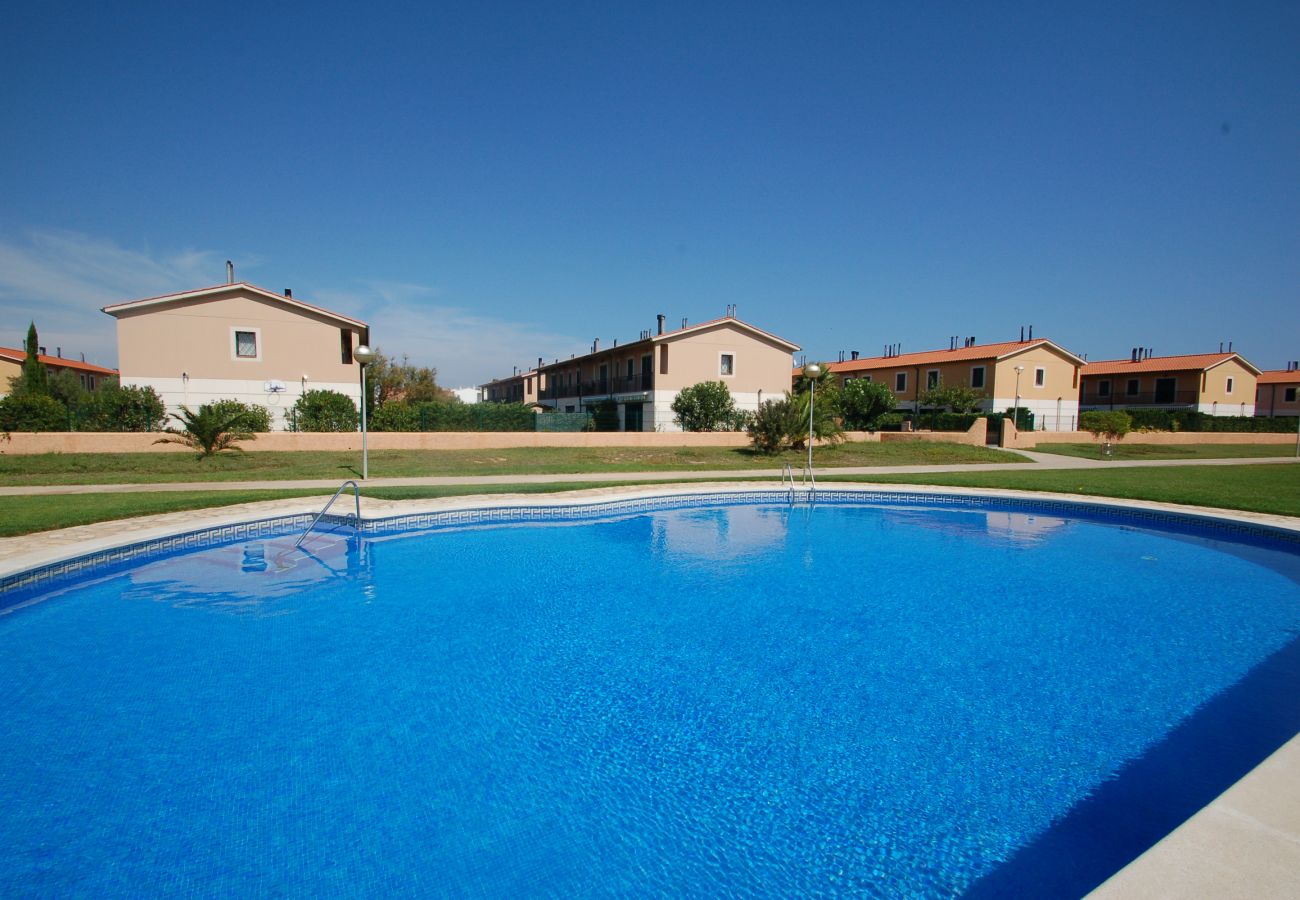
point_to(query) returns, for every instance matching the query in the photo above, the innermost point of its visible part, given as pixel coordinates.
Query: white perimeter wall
(193, 393)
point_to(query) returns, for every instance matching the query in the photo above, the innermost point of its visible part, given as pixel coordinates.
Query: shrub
(604, 416)
(707, 406)
(394, 416)
(256, 418)
(772, 425)
(864, 403)
(890, 422)
(956, 398)
(209, 431)
(323, 411)
(117, 408)
(947, 421)
(32, 412)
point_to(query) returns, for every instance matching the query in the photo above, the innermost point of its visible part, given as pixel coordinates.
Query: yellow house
(1221, 384)
(1034, 374)
(1275, 392)
(644, 377)
(236, 341)
(11, 366)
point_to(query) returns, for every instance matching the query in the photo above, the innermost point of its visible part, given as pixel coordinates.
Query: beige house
(1034, 374)
(644, 377)
(236, 341)
(1276, 392)
(1221, 384)
(11, 366)
(520, 387)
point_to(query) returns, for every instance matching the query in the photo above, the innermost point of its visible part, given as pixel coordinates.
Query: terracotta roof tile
(931, 357)
(20, 355)
(1191, 362)
(1279, 376)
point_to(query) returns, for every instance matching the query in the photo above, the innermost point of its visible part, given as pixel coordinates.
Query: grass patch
(1266, 489)
(1171, 451)
(155, 468)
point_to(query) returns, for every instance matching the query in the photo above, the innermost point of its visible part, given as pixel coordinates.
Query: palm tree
(209, 431)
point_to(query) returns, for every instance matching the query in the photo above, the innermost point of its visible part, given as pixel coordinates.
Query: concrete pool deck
(1246, 843)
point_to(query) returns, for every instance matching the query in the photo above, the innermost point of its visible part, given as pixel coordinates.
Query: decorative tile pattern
(98, 562)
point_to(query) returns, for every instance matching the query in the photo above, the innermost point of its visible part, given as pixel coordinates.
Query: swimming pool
(747, 698)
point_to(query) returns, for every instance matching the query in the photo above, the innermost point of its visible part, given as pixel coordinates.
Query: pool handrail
(356, 493)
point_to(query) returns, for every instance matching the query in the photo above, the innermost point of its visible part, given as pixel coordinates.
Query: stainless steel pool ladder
(356, 493)
(808, 481)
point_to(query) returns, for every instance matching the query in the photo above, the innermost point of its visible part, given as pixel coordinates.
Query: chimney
(854, 354)
(1229, 346)
(683, 321)
(1031, 332)
(1022, 334)
(40, 350)
(539, 362)
(230, 272)
(288, 292)
(661, 318)
(58, 351)
(1220, 346)
(595, 345)
(1133, 355)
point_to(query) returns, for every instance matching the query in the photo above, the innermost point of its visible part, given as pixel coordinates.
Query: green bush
(1190, 420)
(890, 422)
(604, 415)
(394, 416)
(452, 415)
(116, 408)
(771, 427)
(32, 412)
(1112, 425)
(707, 406)
(255, 418)
(945, 421)
(863, 404)
(323, 411)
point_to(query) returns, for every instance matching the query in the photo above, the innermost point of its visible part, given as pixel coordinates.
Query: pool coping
(1245, 843)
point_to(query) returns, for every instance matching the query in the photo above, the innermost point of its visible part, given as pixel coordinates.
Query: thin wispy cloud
(466, 348)
(60, 279)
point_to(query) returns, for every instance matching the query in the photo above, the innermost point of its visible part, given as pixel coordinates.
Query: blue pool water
(745, 700)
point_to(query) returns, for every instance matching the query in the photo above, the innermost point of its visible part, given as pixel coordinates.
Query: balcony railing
(1143, 398)
(600, 387)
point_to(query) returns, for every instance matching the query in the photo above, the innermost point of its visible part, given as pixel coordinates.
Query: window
(1132, 388)
(1289, 395)
(245, 344)
(568, 408)
(345, 346)
(727, 364)
(932, 379)
(1103, 389)
(900, 382)
(848, 378)
(1229, 385)
(977, 377)
(663, 360)
(629, 370)
(1040, 377)
(866, 377)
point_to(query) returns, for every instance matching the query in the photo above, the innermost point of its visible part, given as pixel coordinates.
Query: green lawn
(152, 468)
(1136, 450)
(1268, 489)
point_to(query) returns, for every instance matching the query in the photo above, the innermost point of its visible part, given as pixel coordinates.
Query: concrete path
(1040, 462)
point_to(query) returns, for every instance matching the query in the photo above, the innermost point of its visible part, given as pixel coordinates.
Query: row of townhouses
(237, 340)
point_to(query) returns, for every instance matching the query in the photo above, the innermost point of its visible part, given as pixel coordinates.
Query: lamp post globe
(364, 355)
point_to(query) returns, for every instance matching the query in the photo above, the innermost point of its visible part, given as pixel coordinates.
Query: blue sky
(487, 183)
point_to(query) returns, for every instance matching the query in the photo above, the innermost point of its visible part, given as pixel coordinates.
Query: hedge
(444, 416)
(1190, 420)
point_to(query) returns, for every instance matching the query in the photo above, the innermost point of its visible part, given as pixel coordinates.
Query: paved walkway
(1041, 462)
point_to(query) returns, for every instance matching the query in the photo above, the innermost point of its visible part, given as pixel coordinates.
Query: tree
(956, 398)
(387, 381)
(33, 378)
(211, 430)
(707, 406)
(32, 412)
(825, 424)
(116, 408)
(828, 389)
(862, 403)
(1108, 425)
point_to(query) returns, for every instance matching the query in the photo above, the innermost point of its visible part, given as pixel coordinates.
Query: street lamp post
(364, 355)
(812, 370)
(1015, 409)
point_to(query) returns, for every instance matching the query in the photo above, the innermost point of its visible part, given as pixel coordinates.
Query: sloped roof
(1194, 362)
(20, 355)
(1279, 376)
(744, 326)
(202, 293)
(960, 354)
